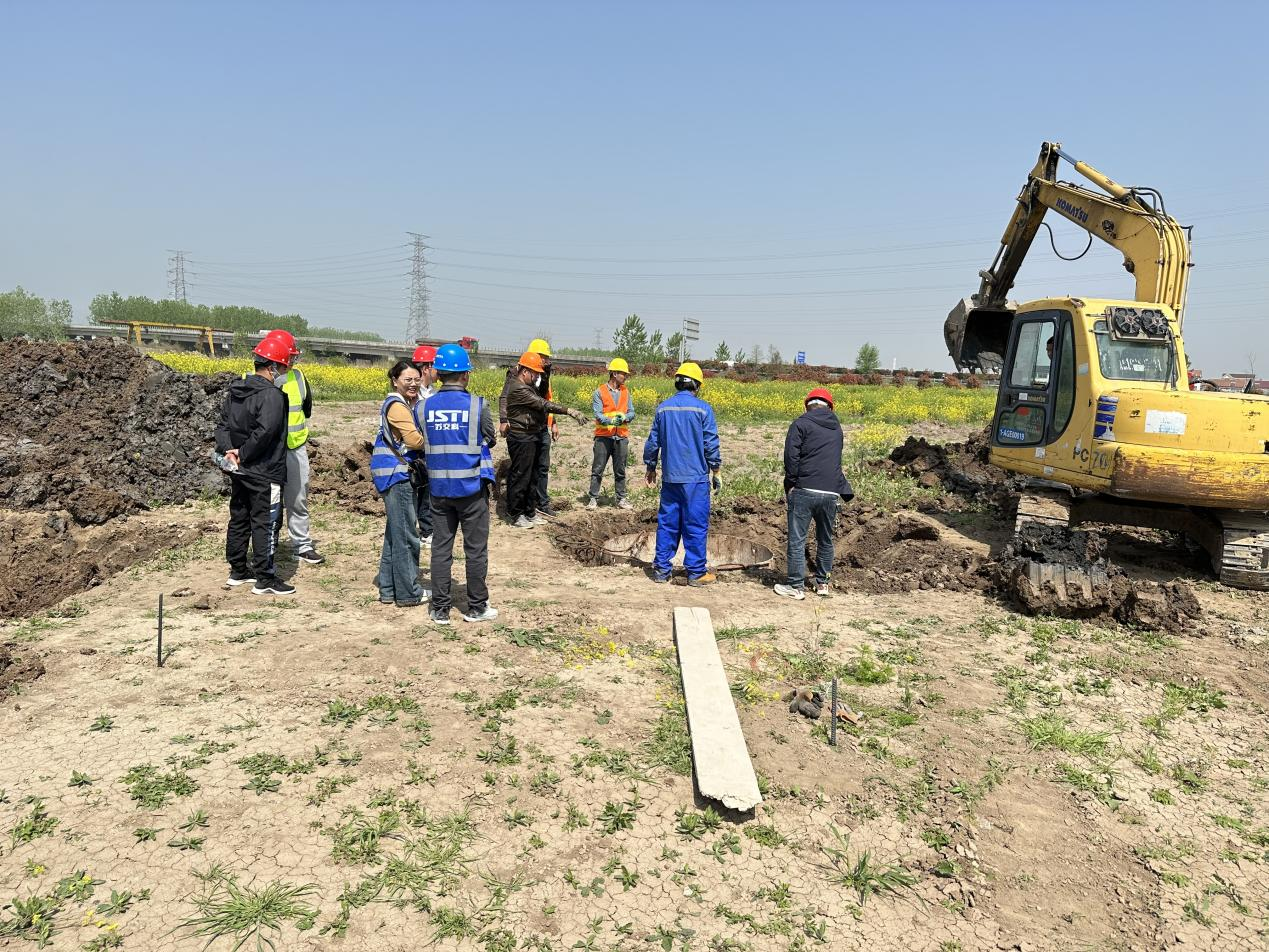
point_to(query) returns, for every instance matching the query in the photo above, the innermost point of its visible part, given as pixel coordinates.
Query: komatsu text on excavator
(1094, 398)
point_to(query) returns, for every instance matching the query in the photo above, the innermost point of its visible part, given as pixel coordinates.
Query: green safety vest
(296, 390)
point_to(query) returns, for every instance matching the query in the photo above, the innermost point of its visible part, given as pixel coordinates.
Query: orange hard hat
(533, 360)
(273, 348)
(424, 354)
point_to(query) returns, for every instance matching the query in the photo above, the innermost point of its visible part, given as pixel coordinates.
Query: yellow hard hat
(618, 363)
(692, 370)
(539, 346)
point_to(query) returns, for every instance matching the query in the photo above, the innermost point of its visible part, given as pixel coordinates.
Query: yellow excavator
(1095, 401)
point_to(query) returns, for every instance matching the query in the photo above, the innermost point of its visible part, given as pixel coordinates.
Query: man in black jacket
(252, 437)
(813, 483)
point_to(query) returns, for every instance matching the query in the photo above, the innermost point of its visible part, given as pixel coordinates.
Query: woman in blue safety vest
(397, 450)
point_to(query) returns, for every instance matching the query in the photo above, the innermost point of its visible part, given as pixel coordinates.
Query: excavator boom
(1133, 220)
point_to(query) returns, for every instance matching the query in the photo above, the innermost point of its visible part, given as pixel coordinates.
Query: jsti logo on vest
(448, 419)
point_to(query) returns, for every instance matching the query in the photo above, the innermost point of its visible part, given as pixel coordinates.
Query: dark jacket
(253, 421)
(813, 454)
(543, 387)
(527, 410)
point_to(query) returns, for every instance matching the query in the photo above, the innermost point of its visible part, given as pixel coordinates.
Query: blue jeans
(542, 471)
(398, 577)
(684, 515)
(803, 507)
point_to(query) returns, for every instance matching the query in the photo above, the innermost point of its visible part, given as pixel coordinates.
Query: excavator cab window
(1037, 387)
(1142, 359)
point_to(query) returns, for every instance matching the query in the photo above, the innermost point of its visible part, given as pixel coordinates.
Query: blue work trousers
(805, 506)
(398, 577)
(684, 515)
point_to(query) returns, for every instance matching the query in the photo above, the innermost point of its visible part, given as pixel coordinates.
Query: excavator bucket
(977, 336)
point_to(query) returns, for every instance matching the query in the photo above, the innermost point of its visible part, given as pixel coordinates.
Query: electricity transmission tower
(176, 275)
(419, 324)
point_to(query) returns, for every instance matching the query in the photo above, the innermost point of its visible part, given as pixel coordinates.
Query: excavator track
(1244, 554)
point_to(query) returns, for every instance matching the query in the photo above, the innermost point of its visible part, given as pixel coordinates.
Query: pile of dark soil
(17, 668)
(879, 552)
(1054, 570)
(342, 477)
(963, 469)
(875, 551)
(97, 430)
(45, 558)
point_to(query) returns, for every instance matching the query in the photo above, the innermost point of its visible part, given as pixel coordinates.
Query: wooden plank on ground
(724, 771)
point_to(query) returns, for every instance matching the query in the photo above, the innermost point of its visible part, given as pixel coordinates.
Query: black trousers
(254, 507)
(521, 480)
(423, 504)
(472, 513)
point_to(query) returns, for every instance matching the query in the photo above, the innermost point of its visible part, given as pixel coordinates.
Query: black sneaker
(548, 513)
(311, 556)
(272, 586)
(439, 617)
(237, 578)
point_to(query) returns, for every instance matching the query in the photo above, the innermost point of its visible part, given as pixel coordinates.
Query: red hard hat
(274, 348)
(286, 338)
(424, 354)
(819, 393)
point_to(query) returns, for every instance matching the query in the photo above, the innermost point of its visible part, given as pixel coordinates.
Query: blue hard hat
(452, 359)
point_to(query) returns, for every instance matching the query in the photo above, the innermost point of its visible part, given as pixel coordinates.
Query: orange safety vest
(622, 406)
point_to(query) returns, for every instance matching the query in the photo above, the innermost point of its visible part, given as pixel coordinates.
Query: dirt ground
(1005, 782)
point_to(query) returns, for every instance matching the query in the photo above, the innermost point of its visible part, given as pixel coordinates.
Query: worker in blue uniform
(684, 439)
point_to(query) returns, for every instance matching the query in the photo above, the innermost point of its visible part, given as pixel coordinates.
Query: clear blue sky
(803, 175)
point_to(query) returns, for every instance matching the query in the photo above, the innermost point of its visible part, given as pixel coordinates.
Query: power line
(176, 276)
(419, 324)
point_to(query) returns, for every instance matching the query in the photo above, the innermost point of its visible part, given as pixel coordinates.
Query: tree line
(632, 341)
(22, 313)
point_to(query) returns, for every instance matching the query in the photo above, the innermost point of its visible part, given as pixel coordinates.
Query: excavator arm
(1133, 220)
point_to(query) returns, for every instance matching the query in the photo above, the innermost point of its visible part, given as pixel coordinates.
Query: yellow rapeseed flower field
(733, 402)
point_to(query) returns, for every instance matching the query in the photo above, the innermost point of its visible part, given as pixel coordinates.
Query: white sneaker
(624, 503)
(592, 503)
(489, 614)
(524, 522)
(788, 591)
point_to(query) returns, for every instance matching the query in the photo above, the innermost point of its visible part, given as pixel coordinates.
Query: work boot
(709, 578)
(624, 503)
(658, 577)
(788, 591)
(592, 502)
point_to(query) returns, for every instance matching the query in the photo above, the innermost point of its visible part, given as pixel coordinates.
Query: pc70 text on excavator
(1095, 404)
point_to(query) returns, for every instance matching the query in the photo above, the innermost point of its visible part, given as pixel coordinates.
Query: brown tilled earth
(379, 783)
